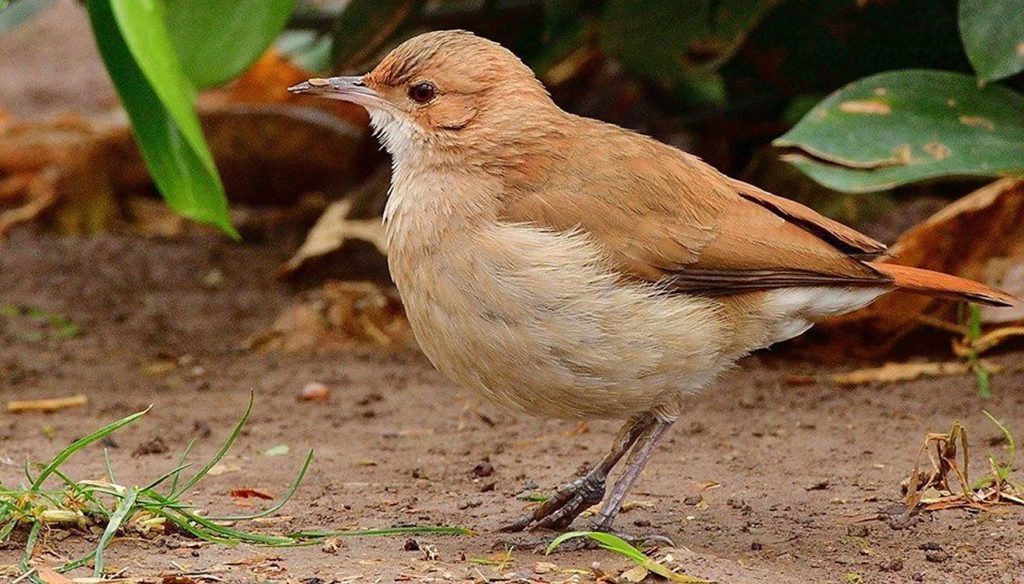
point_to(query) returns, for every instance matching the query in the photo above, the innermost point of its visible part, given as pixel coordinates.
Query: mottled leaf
(905, 126)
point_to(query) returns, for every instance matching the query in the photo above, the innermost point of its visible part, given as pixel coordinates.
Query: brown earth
(397, 444)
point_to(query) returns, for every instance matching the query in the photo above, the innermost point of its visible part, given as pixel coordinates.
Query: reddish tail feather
(939, 284)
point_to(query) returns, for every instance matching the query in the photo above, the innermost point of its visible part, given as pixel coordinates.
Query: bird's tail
(944, 285)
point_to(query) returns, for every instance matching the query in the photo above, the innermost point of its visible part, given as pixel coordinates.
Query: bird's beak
(351, 89)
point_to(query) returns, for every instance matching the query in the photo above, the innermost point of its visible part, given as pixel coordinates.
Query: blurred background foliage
(920, 89)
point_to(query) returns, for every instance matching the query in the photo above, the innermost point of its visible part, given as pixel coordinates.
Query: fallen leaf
(634, 574)
(988, 247)
(340, 314)
(279, 450)
(250, 494)
(899, 372)
(50, 577)
(333, 230)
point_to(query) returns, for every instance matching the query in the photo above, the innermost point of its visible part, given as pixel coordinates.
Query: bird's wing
(664, 216)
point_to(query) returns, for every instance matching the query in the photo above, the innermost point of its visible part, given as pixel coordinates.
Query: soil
(790, 467)
(761, 480)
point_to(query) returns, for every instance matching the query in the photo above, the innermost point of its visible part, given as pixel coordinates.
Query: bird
(565, 267)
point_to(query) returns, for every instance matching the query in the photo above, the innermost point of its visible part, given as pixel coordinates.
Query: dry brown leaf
(250, 494)
(339, 315)
(333, 230)
(47, 405)
(634, 574)
(980, 236)
(51, 577)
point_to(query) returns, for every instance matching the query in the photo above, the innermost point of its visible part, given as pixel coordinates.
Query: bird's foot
(560, 510)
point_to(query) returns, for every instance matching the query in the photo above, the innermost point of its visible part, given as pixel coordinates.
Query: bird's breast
(534, 320)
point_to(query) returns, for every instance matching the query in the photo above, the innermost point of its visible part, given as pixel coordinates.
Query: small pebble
(314, 391)
(411, 545)
(484, 469)
(756, 546)
(692, 499)
(331, 545)
(936, 556)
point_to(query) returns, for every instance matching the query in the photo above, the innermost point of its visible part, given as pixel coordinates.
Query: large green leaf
(679, 42)
(904, 126)
(216, 40)
(993, 35)
(158, 97)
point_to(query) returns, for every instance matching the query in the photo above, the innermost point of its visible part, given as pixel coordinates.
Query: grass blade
(616, 544)
(181, 464)
(26, 556)
(220, 454)
(280, 502)
(82, 443)
(123, 511)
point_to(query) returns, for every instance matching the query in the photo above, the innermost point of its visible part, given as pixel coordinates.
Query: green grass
(616, 544)
(55, 325)
(52, 500)
(974, 331)
(1001, 470)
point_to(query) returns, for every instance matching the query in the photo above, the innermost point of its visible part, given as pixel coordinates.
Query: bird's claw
(566, 505)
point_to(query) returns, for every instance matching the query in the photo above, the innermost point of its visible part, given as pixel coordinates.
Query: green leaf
(616, 544)
(906, 126)
(217, 41)
(679, 42)
(123, 512)
(993, 36)
(278, 450)
(159, 98)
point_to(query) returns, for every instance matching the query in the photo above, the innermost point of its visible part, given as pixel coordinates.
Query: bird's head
(446, 93)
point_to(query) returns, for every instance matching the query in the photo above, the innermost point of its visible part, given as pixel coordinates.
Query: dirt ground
(397, 444)
(782, 472)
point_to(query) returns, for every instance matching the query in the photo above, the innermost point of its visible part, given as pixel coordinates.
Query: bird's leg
(645, 445)
(563, 507)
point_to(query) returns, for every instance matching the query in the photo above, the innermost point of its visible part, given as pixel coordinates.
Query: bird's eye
(422, 92)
